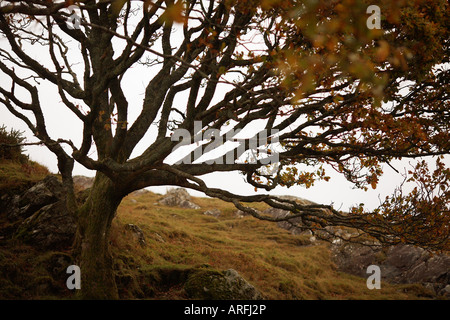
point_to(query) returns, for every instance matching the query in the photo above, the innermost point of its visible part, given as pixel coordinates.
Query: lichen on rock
(210, 284)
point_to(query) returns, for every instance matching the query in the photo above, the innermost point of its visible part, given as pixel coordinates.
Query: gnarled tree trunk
(91, 244)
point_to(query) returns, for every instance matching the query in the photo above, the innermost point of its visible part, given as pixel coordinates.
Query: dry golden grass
(16, 177)
(282, 266)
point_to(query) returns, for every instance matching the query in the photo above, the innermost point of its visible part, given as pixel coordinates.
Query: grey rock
(213, 212)
(241, 214)
(140, 192)
(41, 216)
(51, 227)
(83, 182)
(241, 287)
(354, 259)
(445, 292)
(296, 199)
(137, 232)
(41, 194)
(178, 197)
(403, 264)
(211, 284)
(293, 225)
(188, 205)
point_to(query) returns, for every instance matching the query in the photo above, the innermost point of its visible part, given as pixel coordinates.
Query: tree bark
(91, 247)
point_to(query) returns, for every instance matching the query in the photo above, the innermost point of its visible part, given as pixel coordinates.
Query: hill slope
(154, 245)
(279, 264)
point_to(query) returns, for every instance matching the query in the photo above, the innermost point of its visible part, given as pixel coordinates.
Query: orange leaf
(174, 13)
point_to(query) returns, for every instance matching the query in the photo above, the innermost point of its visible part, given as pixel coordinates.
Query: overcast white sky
(61, 123)
(337, 190)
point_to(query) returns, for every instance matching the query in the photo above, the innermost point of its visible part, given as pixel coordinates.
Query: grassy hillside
(16, 176)
(280, 265)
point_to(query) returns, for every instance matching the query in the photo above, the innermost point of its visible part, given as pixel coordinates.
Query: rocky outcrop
(292, 225)
(398, 264)
(41, 194)
(51, 227)
(178, 197)
(401, 264)
(41, 216)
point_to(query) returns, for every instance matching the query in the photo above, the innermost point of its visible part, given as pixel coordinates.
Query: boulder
(188, 205)
(51, 227)
(41, 217)
(292, 225)
(415, 265)
(201, 282)
(279, 213)
(43, 193)
(299, 200)
(445, 292)
(297, 227)
(353, 258)
(178, 197)
(209, 284)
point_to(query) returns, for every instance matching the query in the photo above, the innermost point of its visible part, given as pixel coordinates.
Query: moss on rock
(219, 285)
